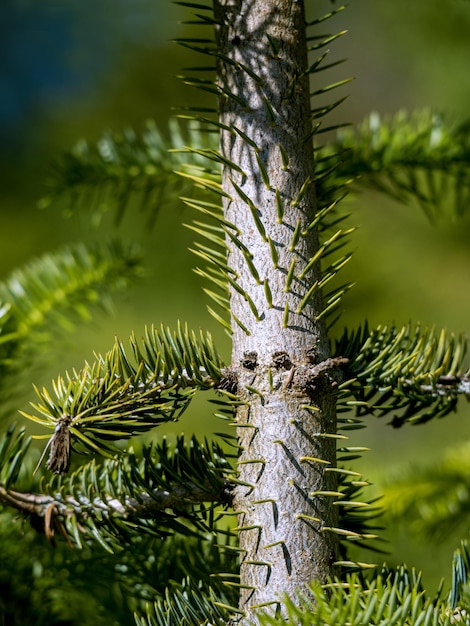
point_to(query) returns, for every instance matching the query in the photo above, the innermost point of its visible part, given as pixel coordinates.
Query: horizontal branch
(52, 510)
(124, 166)
(447, 385)
(126, 392)
(414, 373)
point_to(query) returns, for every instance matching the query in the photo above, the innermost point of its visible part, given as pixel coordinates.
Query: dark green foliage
(415, 374)
(46, 587)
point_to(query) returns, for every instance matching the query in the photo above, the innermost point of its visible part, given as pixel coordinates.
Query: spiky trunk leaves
(287, 426)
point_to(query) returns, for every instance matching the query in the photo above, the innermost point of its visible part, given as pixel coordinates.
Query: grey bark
(280, 351)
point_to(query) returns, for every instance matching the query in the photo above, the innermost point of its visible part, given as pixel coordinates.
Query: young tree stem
(262, 58)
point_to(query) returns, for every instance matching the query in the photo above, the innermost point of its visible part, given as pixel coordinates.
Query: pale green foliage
(433, 498)
(390, 597)
(404, 156)
(52, 291)
(105, 175)
(51, 295)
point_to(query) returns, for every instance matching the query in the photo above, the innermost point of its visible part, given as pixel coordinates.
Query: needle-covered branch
(168, 490)
(121, 394)
(52, 294)
(419, 157)
(415, 373)
(55, 289)
(122, 166)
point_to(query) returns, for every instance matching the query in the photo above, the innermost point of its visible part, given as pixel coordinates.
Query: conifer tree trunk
(280, 352)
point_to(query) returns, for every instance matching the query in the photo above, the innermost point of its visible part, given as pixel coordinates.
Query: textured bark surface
(285, 427)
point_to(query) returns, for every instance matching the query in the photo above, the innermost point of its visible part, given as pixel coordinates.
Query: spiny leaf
(325, 40)
(212, 155)
(194, 5)
(254, 210)
(327, 16)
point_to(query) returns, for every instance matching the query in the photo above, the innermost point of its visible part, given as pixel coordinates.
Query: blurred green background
(72, 69)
